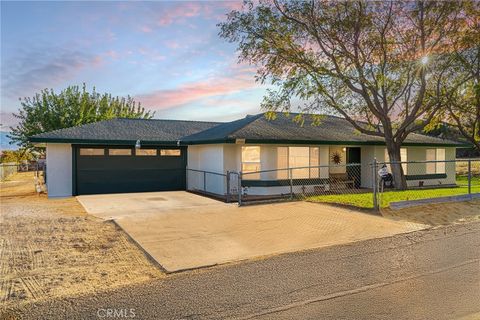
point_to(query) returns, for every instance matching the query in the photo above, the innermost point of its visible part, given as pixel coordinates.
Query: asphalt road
(432, 274)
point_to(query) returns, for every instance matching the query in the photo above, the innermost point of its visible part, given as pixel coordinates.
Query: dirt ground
(438, 214)
(52, 248)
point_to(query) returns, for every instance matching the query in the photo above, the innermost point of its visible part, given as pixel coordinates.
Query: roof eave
(101, 141)
(323, 142)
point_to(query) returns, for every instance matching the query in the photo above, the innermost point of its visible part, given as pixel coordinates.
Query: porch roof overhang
(321, 142)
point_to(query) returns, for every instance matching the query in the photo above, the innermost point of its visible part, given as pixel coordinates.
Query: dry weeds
(53, 249)
(438, 213)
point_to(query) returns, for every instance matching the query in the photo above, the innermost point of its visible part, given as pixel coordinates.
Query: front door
(354, 159)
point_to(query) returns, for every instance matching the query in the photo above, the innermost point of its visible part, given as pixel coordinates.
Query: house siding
(59, 170)
(420, 154)
(206, 158)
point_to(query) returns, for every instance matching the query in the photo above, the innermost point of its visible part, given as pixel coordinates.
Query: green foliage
(461, 90)
(365, 200)
(16, 156)
(73, 106)
(373, 61)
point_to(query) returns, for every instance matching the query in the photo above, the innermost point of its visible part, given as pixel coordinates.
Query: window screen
(251, 161)
(431, 156)
(440, 166)
(299, 157)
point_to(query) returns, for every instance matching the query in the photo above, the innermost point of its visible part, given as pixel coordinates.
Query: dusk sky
(167, 55)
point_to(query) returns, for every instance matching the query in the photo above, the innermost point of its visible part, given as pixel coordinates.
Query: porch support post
(469, 176)
(228, 186)
(239, 188)
(375, 184)
(204, 181)
(291, 182)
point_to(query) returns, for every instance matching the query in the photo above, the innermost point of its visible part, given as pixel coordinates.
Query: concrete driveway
(183, 231)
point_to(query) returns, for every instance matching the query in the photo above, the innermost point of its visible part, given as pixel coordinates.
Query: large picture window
(435, 155)
(303, 158)
(251, 162)
(299, 157)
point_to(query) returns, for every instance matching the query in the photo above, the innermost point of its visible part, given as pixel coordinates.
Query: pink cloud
(231, 5)
(146, 29)
(180, 12)
(183, 11)
(194, 91)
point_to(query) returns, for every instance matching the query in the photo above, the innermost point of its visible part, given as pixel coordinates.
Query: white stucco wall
(340, 167)
(420, 154)
(227, 157)
(367, 155)
(206, 158)
(59, 169)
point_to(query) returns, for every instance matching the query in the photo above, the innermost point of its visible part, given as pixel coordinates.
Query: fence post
(290, 176)
(204, 181)
(375, 184)
(469, 176)
(239, 188)
(228, 186)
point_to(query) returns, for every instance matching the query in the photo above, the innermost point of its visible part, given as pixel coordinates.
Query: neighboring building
(135, 155)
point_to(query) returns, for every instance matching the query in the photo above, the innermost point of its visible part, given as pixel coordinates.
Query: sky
(167, 55)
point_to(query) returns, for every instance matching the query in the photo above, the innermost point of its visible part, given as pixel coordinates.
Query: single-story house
(138, 155)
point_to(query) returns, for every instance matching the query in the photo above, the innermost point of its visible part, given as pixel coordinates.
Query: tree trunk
(399, 179)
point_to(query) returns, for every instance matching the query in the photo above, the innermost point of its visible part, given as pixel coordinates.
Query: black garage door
(119, 169)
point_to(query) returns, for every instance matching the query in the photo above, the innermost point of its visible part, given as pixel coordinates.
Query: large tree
(371, 62)
(461, 88)
(73, 106)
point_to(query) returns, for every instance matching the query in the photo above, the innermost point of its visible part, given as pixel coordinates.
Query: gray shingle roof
(126, 131)
(254, 129)
(258, 129)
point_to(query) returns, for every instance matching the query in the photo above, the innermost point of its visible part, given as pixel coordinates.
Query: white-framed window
(282, 162)
(435, 155)
(299, 157)
(403, 158)
(314, 162)
(92, 151)
(146, 152)
(303, 158)
(119, 152)
(251, 162)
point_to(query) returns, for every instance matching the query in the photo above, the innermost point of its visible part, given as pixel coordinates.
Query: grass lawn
(365, 200)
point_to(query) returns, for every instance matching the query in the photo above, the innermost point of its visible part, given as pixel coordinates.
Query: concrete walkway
(202, 232)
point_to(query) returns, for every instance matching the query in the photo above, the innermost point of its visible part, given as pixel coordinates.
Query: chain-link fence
(222, 186)
(315, 183)
(368, 185)
(426, 180)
